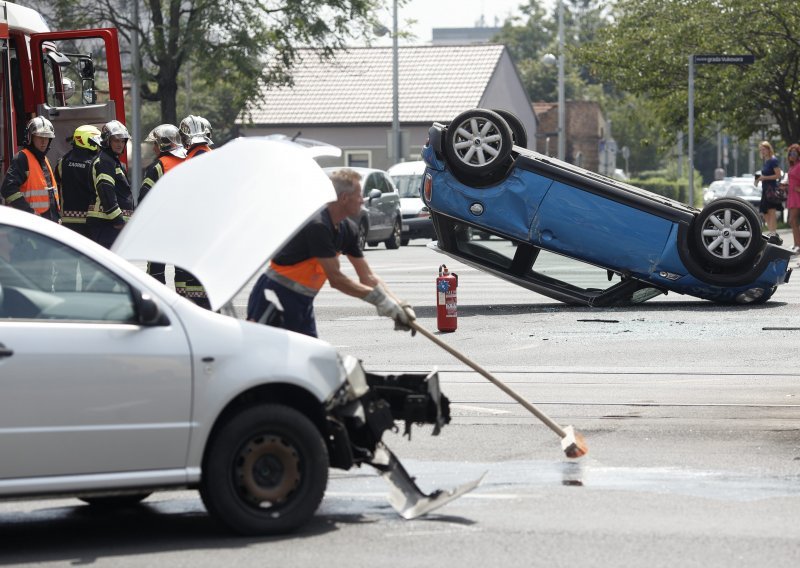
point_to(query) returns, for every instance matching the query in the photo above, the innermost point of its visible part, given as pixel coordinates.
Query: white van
(417, 224)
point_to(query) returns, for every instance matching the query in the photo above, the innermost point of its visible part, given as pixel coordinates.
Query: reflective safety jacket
(113, 200)
(196, 150)
(75, 184)
(30, 184)
(156, 170)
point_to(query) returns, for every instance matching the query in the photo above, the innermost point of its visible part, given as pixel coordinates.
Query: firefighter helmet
(86, 136)
(38, 126)
(195, 130)
(167, 138)
(113, 129)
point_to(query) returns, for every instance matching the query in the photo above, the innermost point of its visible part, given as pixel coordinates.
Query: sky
(452, 14)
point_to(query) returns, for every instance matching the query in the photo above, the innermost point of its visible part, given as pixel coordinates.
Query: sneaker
(796, 250)
(774, 239)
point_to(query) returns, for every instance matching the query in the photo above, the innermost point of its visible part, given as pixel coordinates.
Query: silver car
(114, 387)
(380, 219)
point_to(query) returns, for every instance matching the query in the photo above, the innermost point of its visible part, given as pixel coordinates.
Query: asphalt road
(690, 412)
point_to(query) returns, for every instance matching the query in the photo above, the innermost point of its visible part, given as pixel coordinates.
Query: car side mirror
(147, 311)
(374, 194)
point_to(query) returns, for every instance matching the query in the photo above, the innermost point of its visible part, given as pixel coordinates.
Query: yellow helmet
(86, 136)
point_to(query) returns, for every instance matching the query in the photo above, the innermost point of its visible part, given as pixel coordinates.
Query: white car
(113, 386)
(417, 224)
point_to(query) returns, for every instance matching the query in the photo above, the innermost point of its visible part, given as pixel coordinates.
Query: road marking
(480, 409)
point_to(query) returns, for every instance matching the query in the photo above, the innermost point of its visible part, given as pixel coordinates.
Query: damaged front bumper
(368, 405)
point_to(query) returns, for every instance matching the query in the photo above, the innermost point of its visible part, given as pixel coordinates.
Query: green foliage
(234, 47)
(646, 52)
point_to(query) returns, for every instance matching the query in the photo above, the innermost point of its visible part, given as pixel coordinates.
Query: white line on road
(482, 409)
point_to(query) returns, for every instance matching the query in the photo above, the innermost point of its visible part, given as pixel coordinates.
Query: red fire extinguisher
(446, 306)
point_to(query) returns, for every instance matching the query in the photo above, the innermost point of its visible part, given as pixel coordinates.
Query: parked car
(114, 387)
(477, 177)
(380, 219)
(407, 177)
(743, 188)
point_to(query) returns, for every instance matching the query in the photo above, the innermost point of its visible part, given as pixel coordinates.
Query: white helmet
(115, 129)
(195, 130)
(38, 126)
(167, 138)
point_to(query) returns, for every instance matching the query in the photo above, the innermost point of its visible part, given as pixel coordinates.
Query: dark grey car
(380, 219)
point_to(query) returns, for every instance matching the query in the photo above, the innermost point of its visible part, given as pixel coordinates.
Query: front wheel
(727, 233)
(393, 242)
(265, 471)
(477, 144)
(362, 235)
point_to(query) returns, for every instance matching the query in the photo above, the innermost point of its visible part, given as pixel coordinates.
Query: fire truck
(71, 77)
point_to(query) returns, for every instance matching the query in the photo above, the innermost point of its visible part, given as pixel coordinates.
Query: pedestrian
(169, 153)
(195, 134)
(300, 269)
(113, 200)
(769, 176)
(30, 184)
(74, 178)
(793, 194)
(76, 191)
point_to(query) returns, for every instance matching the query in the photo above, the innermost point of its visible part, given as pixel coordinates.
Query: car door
(377, 215)
(390, 199)
(84, 389)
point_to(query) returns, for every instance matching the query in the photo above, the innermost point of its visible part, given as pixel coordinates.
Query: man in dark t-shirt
(300, 269)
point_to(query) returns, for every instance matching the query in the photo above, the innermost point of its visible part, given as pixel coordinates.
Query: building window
(358, 159)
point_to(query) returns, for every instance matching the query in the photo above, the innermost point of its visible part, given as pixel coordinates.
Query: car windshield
(408, 185)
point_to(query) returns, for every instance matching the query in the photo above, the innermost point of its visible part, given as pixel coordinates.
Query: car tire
(362, 235)
(477, 145)
(394, 241)
(518, 132)
(265, 471)
(116, 501)
(727, 233)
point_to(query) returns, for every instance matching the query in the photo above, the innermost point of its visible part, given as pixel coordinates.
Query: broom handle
(497, 382)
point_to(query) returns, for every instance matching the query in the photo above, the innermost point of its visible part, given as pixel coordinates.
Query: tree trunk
(168, 91)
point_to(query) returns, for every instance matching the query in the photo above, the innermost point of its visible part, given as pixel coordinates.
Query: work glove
(400, 312)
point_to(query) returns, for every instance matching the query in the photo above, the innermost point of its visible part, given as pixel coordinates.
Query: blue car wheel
(477, 144)
(727, 233)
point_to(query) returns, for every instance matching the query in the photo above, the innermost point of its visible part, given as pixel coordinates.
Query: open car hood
(223, 214)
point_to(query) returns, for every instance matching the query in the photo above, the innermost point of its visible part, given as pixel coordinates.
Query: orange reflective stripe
(308, 273)
(35, 189)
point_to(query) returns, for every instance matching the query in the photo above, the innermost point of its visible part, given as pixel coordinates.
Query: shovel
(572, 442)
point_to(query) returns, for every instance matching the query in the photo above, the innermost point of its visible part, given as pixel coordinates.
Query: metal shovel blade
(405, 497)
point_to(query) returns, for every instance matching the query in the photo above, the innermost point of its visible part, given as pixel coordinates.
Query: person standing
(169, 153)
(74, 178)
(113, 200)
(793, 194)
(299, 270)
(30, 184)
(195, 132)
(770, 174)
(196, 135)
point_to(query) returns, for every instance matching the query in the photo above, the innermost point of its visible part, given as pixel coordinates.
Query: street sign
(725, 59)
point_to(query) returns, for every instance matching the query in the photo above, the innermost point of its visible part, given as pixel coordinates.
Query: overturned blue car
(481, 178)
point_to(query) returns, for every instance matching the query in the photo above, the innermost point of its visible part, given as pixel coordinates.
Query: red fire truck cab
(71, 77)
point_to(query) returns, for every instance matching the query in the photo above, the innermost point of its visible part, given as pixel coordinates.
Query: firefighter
(169, 153)
(30, 184)
(196, 135)
(74, 178)
(113, 200)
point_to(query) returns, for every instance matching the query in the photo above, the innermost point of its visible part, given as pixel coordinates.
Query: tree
(647, 50)
(234, 46)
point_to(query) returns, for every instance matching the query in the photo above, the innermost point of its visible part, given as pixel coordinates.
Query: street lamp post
(396, 142)
(562, 134)
(136, 149)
